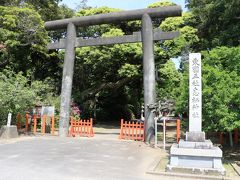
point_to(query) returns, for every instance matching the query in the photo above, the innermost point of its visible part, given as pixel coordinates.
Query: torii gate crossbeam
(147, 36)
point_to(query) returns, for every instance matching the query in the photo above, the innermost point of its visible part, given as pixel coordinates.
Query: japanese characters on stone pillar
(195, 93)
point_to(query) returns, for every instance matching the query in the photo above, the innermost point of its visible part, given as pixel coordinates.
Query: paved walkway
(50, 158)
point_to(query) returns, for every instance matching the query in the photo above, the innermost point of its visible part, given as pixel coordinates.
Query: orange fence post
(137, 131)
(133, 128)
(86, 123)
(80, 124)
(178, 129)
(35, 123)
(26, 122)
(44, 124)
(18, 121)
(87, 127)
(236, 136)
(221, 138)
(84, 127)
(91, 129)
(53, 125)
(142, 134)
(129, 130)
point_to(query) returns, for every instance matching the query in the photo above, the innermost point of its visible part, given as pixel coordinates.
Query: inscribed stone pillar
(195, 93)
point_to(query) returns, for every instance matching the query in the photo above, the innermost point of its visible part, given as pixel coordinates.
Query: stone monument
(195, 152)
(9, 131)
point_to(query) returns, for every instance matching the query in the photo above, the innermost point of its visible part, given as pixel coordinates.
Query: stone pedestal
(8, 132)
(195, 136)
(202, 156)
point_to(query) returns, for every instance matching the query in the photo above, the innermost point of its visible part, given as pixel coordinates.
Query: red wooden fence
(18, 121)
(132, 130)
(44, 118)
(81, 128)
(178, 130)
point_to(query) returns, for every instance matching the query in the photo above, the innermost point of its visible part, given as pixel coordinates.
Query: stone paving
(53, 158)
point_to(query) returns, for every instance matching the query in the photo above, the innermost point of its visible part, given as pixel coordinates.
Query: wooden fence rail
(81, 128)
(132, 130)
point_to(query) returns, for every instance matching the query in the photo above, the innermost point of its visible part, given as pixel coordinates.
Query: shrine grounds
(50, 158)
(38, 157)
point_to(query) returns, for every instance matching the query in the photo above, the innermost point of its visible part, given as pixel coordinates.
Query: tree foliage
(23, 35)
(218, 22)
(169, 81)
(105, 71)
(19, 94)
(221, 82)
(48, 9)
(24, 38)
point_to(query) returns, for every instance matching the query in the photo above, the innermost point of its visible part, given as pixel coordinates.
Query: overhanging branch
(91, 92)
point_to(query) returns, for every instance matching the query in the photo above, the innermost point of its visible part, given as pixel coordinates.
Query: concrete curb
(152, 170)
(236, 168)
(152, 167)
(189, 176)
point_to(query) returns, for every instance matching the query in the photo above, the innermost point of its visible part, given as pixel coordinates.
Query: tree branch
(91, 92)
(3, 64)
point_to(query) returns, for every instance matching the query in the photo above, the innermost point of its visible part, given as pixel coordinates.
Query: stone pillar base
(8, 132)
(195, 136)
(202, 156)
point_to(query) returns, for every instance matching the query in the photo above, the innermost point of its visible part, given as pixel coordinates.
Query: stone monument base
(195, 136)
(202, 156)
(7, 132)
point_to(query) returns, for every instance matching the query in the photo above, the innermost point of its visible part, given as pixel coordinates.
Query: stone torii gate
(147, 36)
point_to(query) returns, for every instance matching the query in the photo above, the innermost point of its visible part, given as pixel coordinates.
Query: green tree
(219, 22)
(24, 41)
(221, 77)
(109, 71)
(48, 9)
(18, 95)
(22, 32)
(169, 81)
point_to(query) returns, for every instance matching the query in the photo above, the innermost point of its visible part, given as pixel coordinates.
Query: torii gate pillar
(67, 79)
(148, 75)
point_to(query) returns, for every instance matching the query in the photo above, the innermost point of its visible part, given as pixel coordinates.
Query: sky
(121, 4)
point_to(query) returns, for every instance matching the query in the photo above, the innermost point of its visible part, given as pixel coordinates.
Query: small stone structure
(8, 132)
(196, 152)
